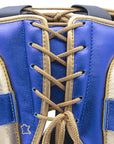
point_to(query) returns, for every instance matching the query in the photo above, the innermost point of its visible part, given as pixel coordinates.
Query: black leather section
(67, 140)
(93, 11)
(12, 10)
(113, 18)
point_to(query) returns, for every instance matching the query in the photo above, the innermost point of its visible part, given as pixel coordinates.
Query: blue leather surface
(57, 69)
(18, 56)
(8, 112)
(94, 60)
(109, 115)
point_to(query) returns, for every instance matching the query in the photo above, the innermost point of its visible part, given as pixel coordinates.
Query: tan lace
(65, 119)
(63, 16)
(59, 16)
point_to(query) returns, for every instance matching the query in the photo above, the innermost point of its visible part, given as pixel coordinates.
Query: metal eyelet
(77, 120)
(81, 98)
(31, 23)
(35, 114)
(30, 44)
(84, 23)
(32, 66)
(83, 72)
(84, 46)
(33, 89)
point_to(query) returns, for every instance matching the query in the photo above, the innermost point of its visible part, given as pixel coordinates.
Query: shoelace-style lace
(65, 119)
(63, 16)
(59, 16)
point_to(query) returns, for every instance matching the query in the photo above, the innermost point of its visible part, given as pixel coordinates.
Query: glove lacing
(65, 119)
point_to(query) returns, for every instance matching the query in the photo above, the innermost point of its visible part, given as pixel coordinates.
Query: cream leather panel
(3, 82)
(110, 83)
(109, 135)
(8, 134)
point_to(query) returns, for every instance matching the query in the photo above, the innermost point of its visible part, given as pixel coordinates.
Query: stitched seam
(104, 23)
(94, 19)
(27, 67)
(89, 75)
(43, 55)
(35, 135)
(44, 85)
(20, 18)
(72, 66)
(108, 114)
(44, 66)
(106, 138)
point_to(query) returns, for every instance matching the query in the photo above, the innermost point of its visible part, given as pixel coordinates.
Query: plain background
(58, 3)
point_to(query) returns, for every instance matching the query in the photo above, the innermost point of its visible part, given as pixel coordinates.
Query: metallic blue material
(8, 113)
(109, 115)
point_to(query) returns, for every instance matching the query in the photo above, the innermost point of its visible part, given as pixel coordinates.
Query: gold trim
(105, 132)
(34, 17)
(94, 19)
(46, 85)
(15, 125)
(21, 17)
(104, 22)
(108, 79)
(70, 67)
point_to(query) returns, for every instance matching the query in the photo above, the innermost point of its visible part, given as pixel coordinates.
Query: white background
(58, 3)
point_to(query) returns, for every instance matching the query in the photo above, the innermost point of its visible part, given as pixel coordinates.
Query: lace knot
(62, 121)
(57, 16)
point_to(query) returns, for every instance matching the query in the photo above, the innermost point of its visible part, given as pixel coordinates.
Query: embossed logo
(25, 129)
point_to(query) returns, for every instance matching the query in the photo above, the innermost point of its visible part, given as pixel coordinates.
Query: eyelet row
(32, 65)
